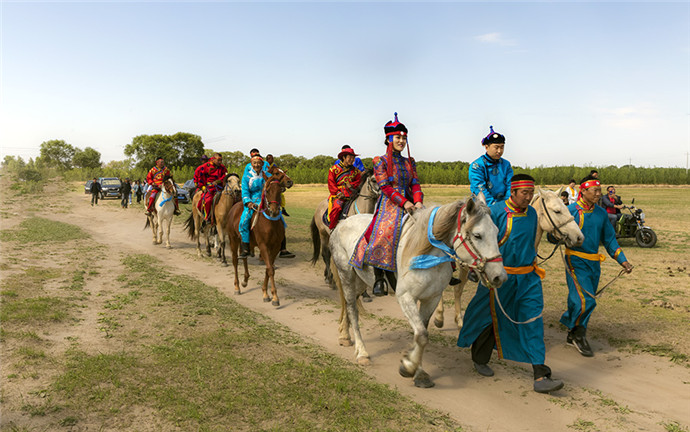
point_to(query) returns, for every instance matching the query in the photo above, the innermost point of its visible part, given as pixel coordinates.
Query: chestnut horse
(232, 193)
(267, 232)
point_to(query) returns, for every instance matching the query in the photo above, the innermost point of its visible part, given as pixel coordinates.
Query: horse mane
(444, 225)
(232, 174)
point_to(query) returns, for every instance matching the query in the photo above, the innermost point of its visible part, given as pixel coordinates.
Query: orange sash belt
(527, 269)
(588, 256)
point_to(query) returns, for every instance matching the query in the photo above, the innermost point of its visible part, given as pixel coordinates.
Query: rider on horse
(401, 194)
(521, 295)
(155, 178)
(209, 177)
(491, 173)
(343, 182)
(252, 187)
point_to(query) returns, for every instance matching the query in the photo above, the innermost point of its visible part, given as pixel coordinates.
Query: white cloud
(495, 38)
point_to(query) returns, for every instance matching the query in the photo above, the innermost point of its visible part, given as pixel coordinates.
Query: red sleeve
(332, 188)
(381, 175)
(197, 175)
(149, 177)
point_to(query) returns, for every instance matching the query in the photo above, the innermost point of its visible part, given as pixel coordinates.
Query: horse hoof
(404, 372)
(344, 342)
(225, 264)
(244, 284)
(276, 303)
(438, 323)
(266, 299)
(363, 361)
(238, 292)
(423, 380)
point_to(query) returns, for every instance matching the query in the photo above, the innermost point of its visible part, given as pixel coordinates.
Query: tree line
(182, 152)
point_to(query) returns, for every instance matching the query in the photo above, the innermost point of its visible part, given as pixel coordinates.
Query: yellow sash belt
(527, 269)
(588, 256)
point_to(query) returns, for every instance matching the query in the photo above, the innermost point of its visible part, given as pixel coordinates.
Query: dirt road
(613, 391)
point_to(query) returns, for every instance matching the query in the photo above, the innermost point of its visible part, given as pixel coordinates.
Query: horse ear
(264, 175)
(471, 204)
(481, 197)
(560, 189)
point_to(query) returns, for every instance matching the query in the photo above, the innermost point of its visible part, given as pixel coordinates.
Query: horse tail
(189, 227)
(316, 241)
(148, 222)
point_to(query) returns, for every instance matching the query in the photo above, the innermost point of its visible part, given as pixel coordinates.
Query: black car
(182, 194)
(87, 187)
(110, 187)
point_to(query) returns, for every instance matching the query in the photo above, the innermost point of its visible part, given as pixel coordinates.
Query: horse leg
(351, 287)
(197, 232)
(343, 321)
(167, 233)
(457, 292)
(411, 363)
(208, 242)
(234, 264)
(438, 314)
(271, 273)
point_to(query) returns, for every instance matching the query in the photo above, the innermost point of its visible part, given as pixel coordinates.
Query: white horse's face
(554, 217)
(481, 239)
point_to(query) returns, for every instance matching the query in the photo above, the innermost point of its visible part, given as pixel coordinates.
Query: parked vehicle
(110, 187)
(182, 194)
(189, 186)
(631, 224)
(87, 187)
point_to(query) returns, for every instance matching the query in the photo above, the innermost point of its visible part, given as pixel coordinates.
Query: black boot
(380, 289)
(392, 280)
(285, 213)
(244, 250)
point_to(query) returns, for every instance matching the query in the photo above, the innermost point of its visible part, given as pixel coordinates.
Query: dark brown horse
(267, 232)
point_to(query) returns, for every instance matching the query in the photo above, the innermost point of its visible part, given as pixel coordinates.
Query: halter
(561, 239)
(479, 262)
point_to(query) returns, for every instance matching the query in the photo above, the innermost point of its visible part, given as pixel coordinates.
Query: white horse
(163, 215)
(463, 228)
(363, 202)
(554, 218)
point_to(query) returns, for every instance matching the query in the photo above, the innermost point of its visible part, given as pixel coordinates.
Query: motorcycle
(631, 224)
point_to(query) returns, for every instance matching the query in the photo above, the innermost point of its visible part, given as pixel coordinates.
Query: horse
(467, 235)
(164, 209)
(193, 224)
(554, 218)
(267, 233)
(364, 201)
(232, 193)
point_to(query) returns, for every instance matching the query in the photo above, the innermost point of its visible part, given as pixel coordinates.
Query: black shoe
(380, 289)
(366, 298)
(286, 254)
(177, 212)
(454, 281)
(580, 343)
(472, 276)
(483, 369)
(547, 385)
(244, 250)
(285, 213)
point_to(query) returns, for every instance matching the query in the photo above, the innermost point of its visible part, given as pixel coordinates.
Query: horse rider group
(508, 197)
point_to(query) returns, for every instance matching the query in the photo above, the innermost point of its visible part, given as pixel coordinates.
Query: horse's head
(555, 218)
(475, 241)
(274, 170)
(233, 186)
(369, 185)
(169, 185)
(273, 187)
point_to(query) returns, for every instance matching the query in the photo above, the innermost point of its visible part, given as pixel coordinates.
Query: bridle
(557, 228)
(265, 203)
(479, 262)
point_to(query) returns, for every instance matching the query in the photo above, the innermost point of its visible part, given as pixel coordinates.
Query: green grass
(36, 229)
(39, 310)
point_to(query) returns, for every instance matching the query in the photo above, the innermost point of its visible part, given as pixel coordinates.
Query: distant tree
(13, 162)
(288, 161)
(87, 158)
(235, 159)
(177, 150)
(57, 154)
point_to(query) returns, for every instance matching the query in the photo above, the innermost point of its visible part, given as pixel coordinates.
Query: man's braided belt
(588, 256)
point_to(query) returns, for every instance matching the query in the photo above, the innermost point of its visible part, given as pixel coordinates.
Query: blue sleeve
(608, 239)
(246, 196)
(478, 181)
(509, 176)
(359, 164)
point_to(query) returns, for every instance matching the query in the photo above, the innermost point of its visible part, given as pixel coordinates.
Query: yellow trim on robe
(588, 256)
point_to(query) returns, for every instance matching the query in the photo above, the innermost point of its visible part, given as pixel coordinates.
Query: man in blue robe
(491, 173)
(509, 319)
(584, 262)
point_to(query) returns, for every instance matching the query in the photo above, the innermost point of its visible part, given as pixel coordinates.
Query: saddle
(343, 214)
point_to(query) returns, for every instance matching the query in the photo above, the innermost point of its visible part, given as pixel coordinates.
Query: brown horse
(194, 221)
(232, 193)
(267, 233)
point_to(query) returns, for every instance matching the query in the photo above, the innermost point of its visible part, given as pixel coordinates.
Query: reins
(561, 239)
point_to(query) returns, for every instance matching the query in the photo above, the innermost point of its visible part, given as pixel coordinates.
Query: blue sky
(567, 83)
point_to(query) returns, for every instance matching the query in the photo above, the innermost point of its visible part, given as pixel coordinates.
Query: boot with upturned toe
(483, 369)
(244, 250)
(576, 337)
(547, 385)
(454, 281)
(380, 288)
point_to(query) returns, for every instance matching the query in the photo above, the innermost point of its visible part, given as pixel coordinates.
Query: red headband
(257, 157)
(520, 184)
(590, 183)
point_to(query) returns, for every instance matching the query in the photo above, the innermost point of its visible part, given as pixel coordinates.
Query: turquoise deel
(491, 177)
(521, 295)
(252, 186)
(596, 228)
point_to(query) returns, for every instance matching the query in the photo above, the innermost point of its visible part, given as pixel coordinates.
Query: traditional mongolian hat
(345, 152)
(394, 127)
(493, 138)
